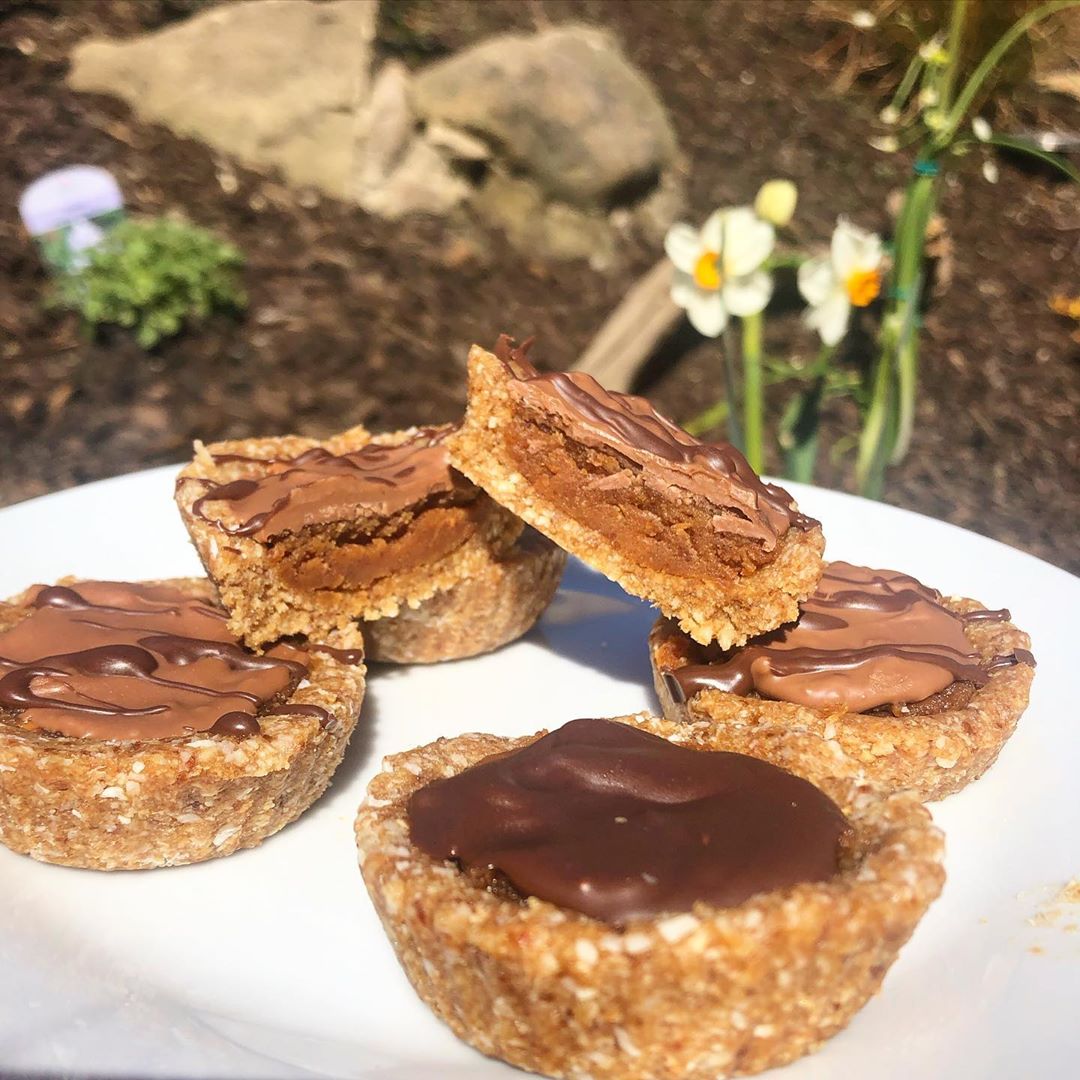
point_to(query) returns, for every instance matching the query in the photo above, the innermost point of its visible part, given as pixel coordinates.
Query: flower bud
(775, 202)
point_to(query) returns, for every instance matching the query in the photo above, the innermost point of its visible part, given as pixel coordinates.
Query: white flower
(863, 19)
(718, 270)
(849, 276)
(982, 129)
(889, 115)
(775, 202)
(990, 171)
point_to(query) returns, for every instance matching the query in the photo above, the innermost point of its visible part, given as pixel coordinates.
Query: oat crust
(728, 611)
(934, 755)
(694, 996)
(492, 608)
(262, 608)
(137, 804)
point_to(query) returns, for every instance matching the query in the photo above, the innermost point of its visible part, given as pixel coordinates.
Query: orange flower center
(707, 271)
(863, 286)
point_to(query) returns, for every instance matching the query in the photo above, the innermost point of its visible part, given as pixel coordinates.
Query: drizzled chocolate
(318, 486)
(866, 638)
(616, 823)
(668, 456)
(113, 660)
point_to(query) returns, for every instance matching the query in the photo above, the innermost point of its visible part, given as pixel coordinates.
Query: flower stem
(753, 390)
(873, 441)
(890, 419)
(921, 199)
(734, 428)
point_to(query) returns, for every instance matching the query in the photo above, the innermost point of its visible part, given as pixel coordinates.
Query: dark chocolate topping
(865, 639)
(342, 656)
(667, 455)
(113, 660)
(237, 724)
(987, 615)
(318, 486)
(1017, 656)
(616, 823)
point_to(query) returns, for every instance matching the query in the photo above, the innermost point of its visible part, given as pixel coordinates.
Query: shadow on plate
(592, 621)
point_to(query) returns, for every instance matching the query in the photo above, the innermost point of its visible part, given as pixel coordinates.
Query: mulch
(354, 320)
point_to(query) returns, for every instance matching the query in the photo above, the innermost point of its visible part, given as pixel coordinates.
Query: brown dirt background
(356, 320)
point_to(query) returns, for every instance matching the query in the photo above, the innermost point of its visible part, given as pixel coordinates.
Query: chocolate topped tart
(686, 524)
(303, 536)
(137, 731)
(619, 824)
(617, 899)
(909, 687)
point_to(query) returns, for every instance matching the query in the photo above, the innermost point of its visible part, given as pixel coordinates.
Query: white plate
(271, 963)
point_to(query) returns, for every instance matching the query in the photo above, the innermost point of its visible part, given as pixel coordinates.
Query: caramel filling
(669, 530)
(324, 560)
(618, 824)
(113, 660)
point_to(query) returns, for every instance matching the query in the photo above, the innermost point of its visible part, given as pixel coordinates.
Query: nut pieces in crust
(302, 536)
(684, 524)
(495, 606)
(707, 994)
(136, 804)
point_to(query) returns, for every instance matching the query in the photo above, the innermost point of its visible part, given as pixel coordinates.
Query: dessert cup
(78, 797)
(706, 993)
(685, 524)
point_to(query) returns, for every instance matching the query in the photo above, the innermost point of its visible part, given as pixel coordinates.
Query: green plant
(154, 276)
(723, 271)
(936, 118)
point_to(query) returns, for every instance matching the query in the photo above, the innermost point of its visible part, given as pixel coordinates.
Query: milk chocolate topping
(618, 824)
(866, 638)
(112, 660)
(668, 456)
(318, 486)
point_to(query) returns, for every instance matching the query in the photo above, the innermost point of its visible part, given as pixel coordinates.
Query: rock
(384, 130)
(274, 83)
(564, 107)
(457, 144)
(424, 182)
(538, 227)
(555, 138)
(399, 172)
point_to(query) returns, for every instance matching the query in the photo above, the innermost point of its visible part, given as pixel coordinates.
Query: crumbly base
(135, 805)
(489, 610)
(694, 996)
(264, 606)
(727, 608)
(934, 755)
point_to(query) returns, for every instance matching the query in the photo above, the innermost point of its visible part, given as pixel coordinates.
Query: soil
(353, 320)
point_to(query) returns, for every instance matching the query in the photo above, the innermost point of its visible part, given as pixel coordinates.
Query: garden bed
(354, 320)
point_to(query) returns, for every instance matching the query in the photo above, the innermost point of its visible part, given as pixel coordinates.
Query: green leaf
(154, 275)
(799, 432)
(711, 418)
(1023, 146)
